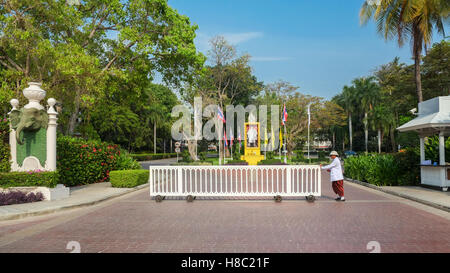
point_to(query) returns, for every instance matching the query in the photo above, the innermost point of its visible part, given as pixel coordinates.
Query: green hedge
(81, 162)
(147, 157)
(237, 162)
(270, 162)
(5, 164)
(29, 179)
(386, 169)
(128, 178)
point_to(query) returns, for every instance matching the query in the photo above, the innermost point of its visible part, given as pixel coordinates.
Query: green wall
(34, 145)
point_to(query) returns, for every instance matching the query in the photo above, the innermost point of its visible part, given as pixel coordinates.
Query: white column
(422, 149)
(441, 149)
(12, 138)
(51, 135)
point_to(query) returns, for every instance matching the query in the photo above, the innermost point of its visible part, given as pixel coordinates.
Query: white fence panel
(236, 181)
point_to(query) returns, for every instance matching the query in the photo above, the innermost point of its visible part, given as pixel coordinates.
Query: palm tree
(381, 119)
(368, 92)
(413, 19)
(348, 100)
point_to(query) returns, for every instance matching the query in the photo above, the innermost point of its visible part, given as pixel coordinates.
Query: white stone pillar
(51, 135)
(12, 138)
(422, 149)
(441, 149)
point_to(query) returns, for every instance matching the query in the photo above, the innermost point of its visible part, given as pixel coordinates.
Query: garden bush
(385, 169)
(186, 156)
(5, 164)
(322, 155)
(29, 179)
(299, 157)
(202, 156)
(18, 197)
(270, 162)
(126, 162)
(128, 178)
(81, 162)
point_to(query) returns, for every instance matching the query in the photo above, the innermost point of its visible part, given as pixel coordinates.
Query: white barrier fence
(236, 181)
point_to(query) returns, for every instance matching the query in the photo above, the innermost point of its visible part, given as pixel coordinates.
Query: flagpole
(220, 145)
(309, 121)
(285, 152)
(231, 144)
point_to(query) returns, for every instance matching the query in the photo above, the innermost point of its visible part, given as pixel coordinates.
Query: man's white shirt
(336, 170)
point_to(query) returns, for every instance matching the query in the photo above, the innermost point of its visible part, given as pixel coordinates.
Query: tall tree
(348, 100)
(80, 52)
(381, 120)
(408, 19)
(368, 92)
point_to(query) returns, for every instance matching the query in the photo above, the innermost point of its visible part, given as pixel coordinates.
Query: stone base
(50, 194)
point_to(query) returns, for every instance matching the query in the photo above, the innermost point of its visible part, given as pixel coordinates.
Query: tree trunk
(334, 140)
(366, 131)
(417, 48)
(379, 141)
(392, 133)
(154, 137)
(350, 131)
(74, 116)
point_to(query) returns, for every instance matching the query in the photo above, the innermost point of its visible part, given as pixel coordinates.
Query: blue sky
(318, 45)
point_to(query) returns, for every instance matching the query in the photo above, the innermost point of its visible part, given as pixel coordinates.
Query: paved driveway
(161, 162)
(134, 223)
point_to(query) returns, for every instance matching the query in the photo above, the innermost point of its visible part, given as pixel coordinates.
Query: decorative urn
(34, 93)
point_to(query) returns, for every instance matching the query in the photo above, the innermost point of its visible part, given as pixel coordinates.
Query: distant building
(319, 145)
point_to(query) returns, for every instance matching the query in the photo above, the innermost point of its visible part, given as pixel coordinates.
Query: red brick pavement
(138, 224)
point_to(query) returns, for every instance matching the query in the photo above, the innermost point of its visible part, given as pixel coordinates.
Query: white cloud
(237, 38)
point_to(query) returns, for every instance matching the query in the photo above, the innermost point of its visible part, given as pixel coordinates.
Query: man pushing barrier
(336, 177)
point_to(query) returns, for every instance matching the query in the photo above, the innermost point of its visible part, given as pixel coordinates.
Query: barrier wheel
(190, 198)
(310, 198)
(159, 198)
(278, 198)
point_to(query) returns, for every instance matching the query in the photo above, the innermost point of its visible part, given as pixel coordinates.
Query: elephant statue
(29, 120)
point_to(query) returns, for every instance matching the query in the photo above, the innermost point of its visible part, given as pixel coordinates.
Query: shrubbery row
(128, 178)
(29, 179)
(385, 170)
(147, 157)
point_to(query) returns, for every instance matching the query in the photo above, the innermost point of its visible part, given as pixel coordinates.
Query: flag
(239, 135)
(285, 115)
(272, 136)
(266, 140)
(231, 137)
(225, 142)
(220, 115)
(281, 139)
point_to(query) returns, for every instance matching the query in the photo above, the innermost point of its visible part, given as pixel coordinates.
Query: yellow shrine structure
(252, 141)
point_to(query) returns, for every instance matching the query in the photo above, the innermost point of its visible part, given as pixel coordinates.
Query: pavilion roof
(433, 114)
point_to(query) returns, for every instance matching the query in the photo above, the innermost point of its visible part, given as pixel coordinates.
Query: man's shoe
(338, 199)
(342, 199)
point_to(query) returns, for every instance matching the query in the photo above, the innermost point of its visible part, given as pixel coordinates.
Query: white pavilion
(433, 118)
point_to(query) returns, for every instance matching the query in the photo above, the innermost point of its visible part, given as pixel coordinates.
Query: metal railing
(236, 181)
